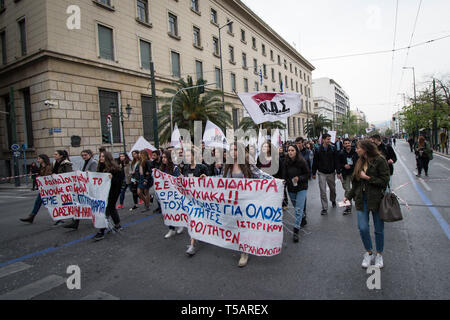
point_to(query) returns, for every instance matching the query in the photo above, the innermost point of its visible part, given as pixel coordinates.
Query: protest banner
(333, 136)
(238, 214)
(77, 195)
(271, 106)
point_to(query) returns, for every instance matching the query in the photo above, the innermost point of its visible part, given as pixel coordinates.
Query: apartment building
(328, 91)
(89, 57)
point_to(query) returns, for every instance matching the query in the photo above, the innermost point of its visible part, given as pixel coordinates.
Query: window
(301, 88)
(279, 77)
(23, 37)
(254, 43)
(3, 44)
(214, 16)
(271, 55)
(230, 27)
(296, 86)
(105, 2)
(242, 35)
(264, 71)
(235, 118)
(231, 50)
(148, 114)
(292, 84)
(244, 60)
(256, 87)
(196, 32)
(300, 73)
(175, 64)
(105, 42)
(109, 99)
(233, 82)
(218, 78)
(255, 66)
(295, 70)
(265, 88)
(28, 119)
(245, 85)
(290, 67)
(285, 64)
(263, 49)
(199, 69)
(273, 74)
(216, 46)
(142, 10)
(2, 4)
(194, 5)
(286, 82)
(146, 54)
(308, 79)
(8, 119)
(279, 60)
(173, 25)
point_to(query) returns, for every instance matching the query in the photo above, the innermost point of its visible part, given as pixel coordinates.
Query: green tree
(347, 124)
(191, 105)
(317, 125)
(247, 123)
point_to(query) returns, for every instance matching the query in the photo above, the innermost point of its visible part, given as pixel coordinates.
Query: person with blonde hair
(369, 181)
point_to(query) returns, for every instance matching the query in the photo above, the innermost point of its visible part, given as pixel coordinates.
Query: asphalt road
(139, 263)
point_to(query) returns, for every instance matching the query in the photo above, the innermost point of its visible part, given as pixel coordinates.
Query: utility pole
(12, 118)
(435, 136)
(155, 111)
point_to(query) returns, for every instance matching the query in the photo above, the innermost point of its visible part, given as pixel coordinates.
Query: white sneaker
(191, 250)
(169, 234)
(180, 230)
(379, 261)
(368, 258)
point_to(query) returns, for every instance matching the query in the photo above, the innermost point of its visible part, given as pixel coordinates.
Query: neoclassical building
(85, 57)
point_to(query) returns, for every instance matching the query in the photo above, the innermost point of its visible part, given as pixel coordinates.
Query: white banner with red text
(77, 195)
(239, 214)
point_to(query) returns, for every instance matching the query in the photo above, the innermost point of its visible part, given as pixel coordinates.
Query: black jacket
(343, 155)
(298, 169)
(148, 172)
(279, 174)
(325, 161)
(389, 154)
(197, 171)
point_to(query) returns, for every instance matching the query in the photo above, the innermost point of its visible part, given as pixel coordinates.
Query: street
(138, 263)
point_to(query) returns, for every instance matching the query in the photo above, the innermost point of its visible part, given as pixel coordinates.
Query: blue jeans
(37, 205)
(122, 192)
(364, 229)
(298, 201)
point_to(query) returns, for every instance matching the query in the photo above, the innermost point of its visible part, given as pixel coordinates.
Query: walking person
(325, 161)
(347, 160)
(411, 143)
(134, 179)
(387, 152)
(125, 167)
(167, 166)
(45, 169)
(107, 164)
(145, 179)
(34, 171)
(90, 164)
(61, 164)
(192, 169)
(423, 154)
(308, 156)
(296, 175)
(247, 171)
(369, 181)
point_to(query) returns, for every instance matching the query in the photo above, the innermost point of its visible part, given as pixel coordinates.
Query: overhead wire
(393, 53)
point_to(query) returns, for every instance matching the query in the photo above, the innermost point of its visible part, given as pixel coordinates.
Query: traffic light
(393, 118)
(105, 138)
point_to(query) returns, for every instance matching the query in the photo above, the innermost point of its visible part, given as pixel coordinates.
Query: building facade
(103, 63)
(328, 91)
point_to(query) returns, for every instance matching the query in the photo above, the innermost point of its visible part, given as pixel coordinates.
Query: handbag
(390, 208)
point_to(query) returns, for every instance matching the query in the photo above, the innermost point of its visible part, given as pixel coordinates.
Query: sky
(374, 83)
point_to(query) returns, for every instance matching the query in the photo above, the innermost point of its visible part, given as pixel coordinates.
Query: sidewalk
(442, 154)
(8, 186)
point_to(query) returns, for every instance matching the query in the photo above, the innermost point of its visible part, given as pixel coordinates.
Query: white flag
(261, 140)
(271, 106)
(175, 140)
(276, 139)
(142, 144)
(214, 137)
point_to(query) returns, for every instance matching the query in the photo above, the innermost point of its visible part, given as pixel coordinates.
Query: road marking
(440, 164)
(34, 289)
(100, 295)
(13, 268)
(444, 225)
(425, 185)
(446, 158)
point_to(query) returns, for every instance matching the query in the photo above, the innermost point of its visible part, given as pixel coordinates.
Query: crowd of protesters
(364, 167)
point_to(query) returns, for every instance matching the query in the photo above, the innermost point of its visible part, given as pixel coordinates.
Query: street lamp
(221, 64)
(415, 97)
(113, 111)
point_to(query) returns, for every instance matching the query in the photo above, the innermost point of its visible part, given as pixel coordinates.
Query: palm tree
(191, 105)
(316, 125)
(247, 123)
